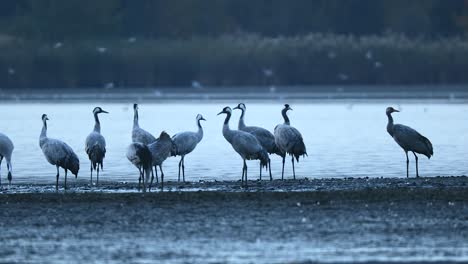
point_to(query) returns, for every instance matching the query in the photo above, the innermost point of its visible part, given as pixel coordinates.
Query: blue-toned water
(342, 139)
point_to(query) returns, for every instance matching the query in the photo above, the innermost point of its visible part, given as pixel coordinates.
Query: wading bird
(95, 145)
(245, 144)
(160, 150)
(265, 137)
(140, 156)
(185, 142)
(6, 148)
(409, 140)
(139, 134)
(58, 153)
(289, 140)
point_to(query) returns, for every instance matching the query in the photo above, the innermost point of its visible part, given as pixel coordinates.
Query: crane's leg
(91, 170)
(143, 178)
(10, 168)
(156, 171)
(162, 178)
(242, 179)
(97, 175)
(139, 178)
(407, 164)
(282, 171)
(57, 177)
(245, 166)
(416, 158)
(294, 172)
(152, 178)
(260, 171)
(65, 179)
(183, 168)
(180, 165)
(269, 169)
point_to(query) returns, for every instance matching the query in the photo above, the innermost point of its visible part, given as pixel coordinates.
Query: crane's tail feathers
(429, 149)
(299, 150)
(264, 158)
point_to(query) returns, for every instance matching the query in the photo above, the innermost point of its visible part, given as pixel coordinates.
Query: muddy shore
(218, 222)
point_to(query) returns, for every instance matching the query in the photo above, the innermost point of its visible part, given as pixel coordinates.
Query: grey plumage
(409, 140)
(95, 146)
(58, 153)
(139, 134)
(185, 142)
(160, 150)
(6, 149)
(140, 156)
(244, 143)
(289, 140)
(265, 137)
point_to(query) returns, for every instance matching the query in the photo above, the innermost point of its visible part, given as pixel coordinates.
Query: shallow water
(342, 140)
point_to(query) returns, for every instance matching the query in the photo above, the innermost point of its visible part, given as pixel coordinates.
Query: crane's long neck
(390, 124)
(135, 119)
(97, 124)
(43, 136)
(200, 131)
(227, 132)
(241, 120)
(285, 116)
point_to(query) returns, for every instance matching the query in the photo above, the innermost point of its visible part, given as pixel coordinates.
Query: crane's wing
(185, 142)
(410, 140)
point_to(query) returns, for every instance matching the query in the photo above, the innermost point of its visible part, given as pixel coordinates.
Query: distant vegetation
(147, 43)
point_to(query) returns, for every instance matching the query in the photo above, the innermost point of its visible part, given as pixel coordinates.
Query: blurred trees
(59, 19)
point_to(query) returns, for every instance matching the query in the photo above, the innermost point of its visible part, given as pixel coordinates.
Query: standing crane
(160, 150)
(58, 153)
(289, 140)
(245, 144)
(140, 156)
(185, 142)
(6, 149)
(139, 134)
(95, 145)
(265, 137)
(409, 140)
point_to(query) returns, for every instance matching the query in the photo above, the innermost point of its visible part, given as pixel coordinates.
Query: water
(342, 140)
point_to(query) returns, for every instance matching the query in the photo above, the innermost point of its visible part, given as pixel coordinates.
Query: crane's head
(135, 106)
(287, 107)
(200, 117)
(44, 117)
(391, 110)
(226, 110)
(98, 110)
(240, 106)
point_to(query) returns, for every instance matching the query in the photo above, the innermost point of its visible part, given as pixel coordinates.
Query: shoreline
(401, 220)
(255, 186)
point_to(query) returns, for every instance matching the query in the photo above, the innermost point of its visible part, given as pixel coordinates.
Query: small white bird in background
(409, 140)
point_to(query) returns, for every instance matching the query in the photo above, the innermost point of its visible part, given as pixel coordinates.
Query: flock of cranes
(147, 152)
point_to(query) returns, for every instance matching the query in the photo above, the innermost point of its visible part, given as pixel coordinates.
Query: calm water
(342, 140)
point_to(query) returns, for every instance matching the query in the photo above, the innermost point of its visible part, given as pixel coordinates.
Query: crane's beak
(202, 118)
(394, 110)
(222, 112)
(105, 112)
(237, 107)
(289, 108)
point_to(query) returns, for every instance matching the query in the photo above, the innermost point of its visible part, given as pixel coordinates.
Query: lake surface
(342, 139)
